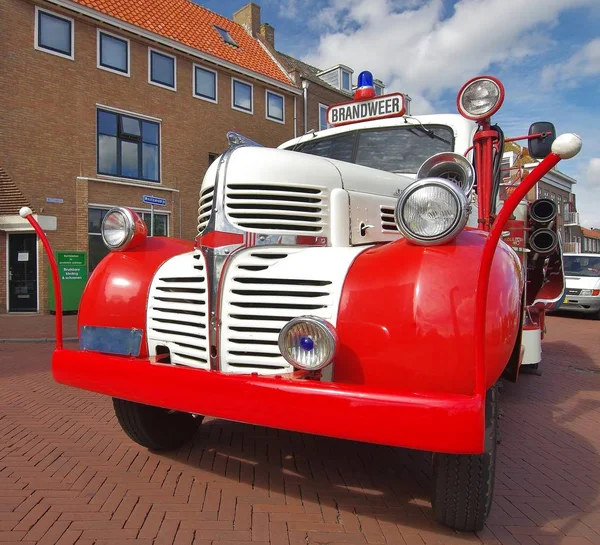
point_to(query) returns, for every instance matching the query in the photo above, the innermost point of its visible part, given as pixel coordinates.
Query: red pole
(26, 213)
(488, 256)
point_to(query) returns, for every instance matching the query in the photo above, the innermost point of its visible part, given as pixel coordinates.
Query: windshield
(579, 265)
(395, 149)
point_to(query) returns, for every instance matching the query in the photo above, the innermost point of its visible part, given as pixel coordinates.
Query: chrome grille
(205, 204)
(273, 207)
(177, 311)
(388, 223)
(264, 290)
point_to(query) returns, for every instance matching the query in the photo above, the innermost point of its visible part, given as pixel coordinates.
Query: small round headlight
(431, 211)
(308, 343)
(121, 227)
(480, 97)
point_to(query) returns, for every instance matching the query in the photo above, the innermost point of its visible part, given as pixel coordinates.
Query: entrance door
(22, 272)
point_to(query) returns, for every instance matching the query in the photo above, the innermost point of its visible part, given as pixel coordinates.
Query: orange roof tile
(192, 25)
(591, 233)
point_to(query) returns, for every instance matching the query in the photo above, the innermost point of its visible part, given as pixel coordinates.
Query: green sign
(73, 273)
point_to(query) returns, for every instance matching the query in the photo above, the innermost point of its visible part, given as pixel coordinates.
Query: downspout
(305, 97)
(295, 117)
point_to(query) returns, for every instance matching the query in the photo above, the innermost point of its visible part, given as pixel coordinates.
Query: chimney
(267, 33)
(249, 17)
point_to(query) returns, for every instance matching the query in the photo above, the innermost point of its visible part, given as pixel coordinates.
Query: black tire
(153, 427)
(463, 484)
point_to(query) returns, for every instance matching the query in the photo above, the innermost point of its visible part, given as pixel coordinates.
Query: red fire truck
(356, 283)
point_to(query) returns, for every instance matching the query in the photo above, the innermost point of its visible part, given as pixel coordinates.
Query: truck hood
(252, 165)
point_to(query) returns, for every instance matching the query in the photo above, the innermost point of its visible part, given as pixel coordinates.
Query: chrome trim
(457, 226)
(448, 162)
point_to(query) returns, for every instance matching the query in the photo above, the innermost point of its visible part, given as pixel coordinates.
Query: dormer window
(379, 89)
(226, 36)
(346, 81)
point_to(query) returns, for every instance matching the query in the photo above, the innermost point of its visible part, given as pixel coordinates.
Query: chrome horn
(450, 166)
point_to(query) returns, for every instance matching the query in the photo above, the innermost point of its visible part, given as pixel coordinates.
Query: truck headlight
(431, 211)
(480, 97)
(308, 342)
(122, 229)
(586, 293)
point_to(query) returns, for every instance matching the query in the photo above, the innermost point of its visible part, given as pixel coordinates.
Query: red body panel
(116, 294)
(404, 325)
(445, 422)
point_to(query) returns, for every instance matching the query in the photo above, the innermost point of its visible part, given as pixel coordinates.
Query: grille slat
(205, 204)
(257, 304)
(177, 311)
(388, 223)
(273, 208)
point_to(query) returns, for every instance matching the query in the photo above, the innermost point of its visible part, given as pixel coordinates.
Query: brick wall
(48, 125)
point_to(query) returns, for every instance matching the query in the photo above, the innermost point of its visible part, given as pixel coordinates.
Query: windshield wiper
(427, 131)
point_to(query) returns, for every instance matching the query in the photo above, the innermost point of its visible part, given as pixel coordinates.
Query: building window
(552, 197)
(346, 81)
(54, 34)
(378, 89)
(241, 96)
(162, 69)
(97, 248)
(128, 147)
(275, 107)
(323, 117)
(546, 194)
(205, 84)
(113, 53)
(226, 36)
(559, 204)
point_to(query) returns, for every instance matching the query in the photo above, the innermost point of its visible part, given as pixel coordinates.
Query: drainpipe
(305, 97)
(295, 118)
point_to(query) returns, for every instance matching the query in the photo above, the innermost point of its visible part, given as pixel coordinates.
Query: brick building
(556, 185)
(105, 102)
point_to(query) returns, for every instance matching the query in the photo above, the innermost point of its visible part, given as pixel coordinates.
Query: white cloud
(584, 63)
(588, 194)
(418, 48)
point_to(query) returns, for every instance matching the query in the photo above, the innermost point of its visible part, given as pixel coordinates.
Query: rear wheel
(153, 427)
(463, 484)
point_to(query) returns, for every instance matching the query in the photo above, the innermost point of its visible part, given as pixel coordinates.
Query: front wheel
(463, 484)
(153, 427)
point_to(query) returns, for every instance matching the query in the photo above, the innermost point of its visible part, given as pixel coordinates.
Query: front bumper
(588, 304)
(434, 422)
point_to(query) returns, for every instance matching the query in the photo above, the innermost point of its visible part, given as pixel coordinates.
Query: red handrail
(488, 255)
(26, 213)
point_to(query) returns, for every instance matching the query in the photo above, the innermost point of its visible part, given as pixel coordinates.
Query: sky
(546, 53)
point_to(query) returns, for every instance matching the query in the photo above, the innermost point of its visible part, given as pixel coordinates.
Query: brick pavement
(34, 326)
(69, 475)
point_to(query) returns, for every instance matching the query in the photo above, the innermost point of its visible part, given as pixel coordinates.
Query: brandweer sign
(376, 108)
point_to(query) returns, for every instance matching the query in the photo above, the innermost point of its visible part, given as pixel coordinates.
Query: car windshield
(395, 149)
(579, 265)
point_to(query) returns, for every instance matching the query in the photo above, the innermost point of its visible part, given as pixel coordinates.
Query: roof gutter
(113, 21)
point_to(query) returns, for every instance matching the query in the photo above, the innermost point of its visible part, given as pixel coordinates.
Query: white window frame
(98, 59)
(233, 106)
(71, 57)
(162, 85)
(216, 99)
(322, 106)
(274, 119)
(342, 72)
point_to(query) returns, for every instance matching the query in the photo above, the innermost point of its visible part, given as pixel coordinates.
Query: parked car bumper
(581, 304)
(426, 421)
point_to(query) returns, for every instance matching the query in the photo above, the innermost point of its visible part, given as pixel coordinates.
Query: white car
(582, 275)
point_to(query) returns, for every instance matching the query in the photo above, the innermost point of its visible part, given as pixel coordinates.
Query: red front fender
(407, 316)
(116, 294)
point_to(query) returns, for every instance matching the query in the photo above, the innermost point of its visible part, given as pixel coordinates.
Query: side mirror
(540, 147)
